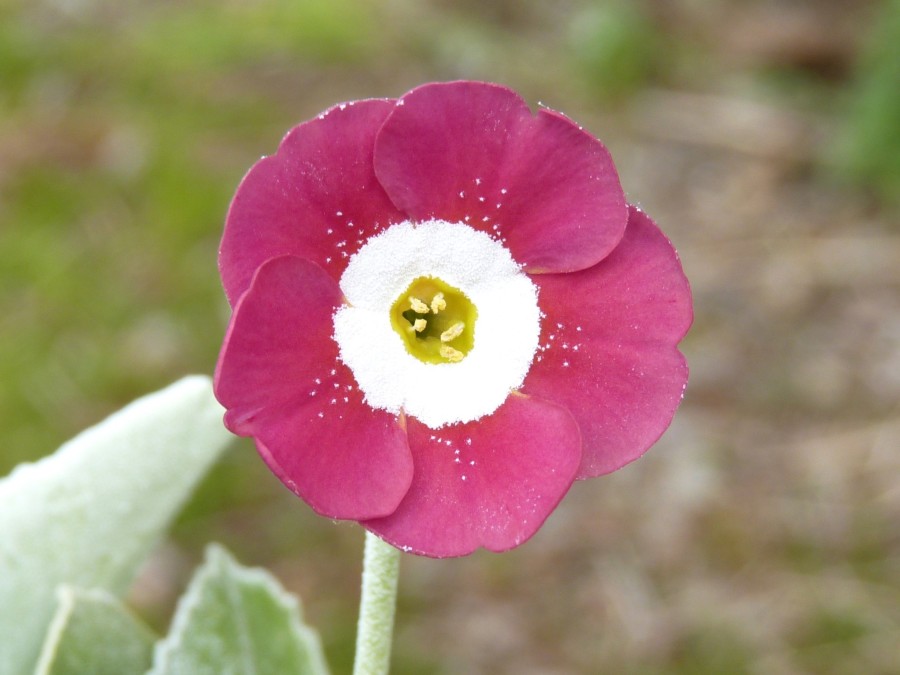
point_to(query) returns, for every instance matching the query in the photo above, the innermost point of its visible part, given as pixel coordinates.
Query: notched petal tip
(240, 422)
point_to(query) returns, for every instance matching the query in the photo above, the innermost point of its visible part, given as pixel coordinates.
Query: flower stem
(381, 567)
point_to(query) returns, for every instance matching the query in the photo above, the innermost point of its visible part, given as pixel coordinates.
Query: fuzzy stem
(381, 567)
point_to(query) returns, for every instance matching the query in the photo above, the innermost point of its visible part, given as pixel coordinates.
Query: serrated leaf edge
(217, 559)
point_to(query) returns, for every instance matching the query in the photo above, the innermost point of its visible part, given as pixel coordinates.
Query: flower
(444, 313)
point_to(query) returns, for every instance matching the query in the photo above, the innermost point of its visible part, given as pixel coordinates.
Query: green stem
(381, 567)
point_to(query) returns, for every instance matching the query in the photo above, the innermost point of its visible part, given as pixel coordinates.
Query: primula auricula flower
(445, 312)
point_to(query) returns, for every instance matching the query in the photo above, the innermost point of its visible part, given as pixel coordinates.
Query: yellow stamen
(418, 306)
(453, 332)
(438, 303)
(430, 315)
(452, 355)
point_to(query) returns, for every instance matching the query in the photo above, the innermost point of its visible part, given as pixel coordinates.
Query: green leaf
(92, 632)
(234, 620)
(89, 514)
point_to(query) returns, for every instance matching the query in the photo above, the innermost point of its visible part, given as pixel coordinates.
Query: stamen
(448, 318)
(453, 332)
(418, 306)
(452, 355)
(438, 303)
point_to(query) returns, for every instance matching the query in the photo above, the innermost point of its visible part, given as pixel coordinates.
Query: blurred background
(761, 534)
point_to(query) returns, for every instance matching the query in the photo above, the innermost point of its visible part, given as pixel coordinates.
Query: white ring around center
(506, 331)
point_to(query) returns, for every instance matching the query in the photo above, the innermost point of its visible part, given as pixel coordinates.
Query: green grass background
(124, 129)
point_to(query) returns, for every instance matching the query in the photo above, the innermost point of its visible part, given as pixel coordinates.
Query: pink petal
(609, 346)
(488, 483)
(281, 382)
(316, 198)
(473, 152)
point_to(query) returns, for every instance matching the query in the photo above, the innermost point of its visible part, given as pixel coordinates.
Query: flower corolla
(444, 313)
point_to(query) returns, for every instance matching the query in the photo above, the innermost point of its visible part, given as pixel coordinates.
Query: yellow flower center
(435, 320)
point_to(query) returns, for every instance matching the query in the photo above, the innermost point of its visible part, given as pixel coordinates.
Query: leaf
(89, 514)
(92, 632)
(234, 620)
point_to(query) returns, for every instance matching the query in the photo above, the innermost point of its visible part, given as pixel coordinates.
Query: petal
(473, 152)
(316, 198)
(488, 483)
(281, 382)
(609, 346)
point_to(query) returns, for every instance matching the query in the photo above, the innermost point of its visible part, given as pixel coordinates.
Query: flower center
(435, 320)
(432, 275)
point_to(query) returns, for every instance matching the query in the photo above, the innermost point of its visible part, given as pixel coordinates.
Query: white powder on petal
(506, 330)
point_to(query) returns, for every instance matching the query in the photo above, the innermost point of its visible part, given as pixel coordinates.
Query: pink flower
(444, 314)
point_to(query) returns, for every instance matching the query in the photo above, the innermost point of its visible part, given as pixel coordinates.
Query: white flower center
(506, 332)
